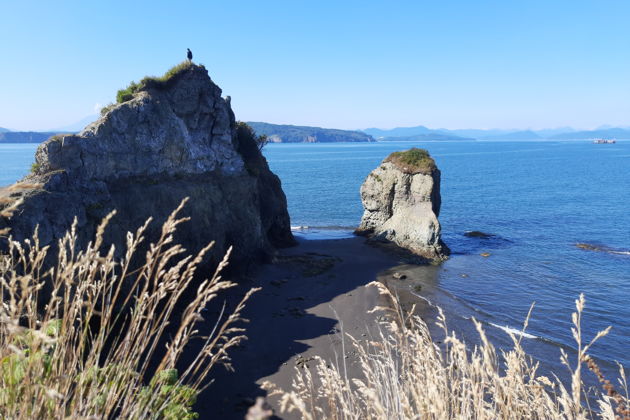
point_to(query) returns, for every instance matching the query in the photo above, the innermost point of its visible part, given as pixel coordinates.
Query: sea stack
(401, 198)
(166, 139)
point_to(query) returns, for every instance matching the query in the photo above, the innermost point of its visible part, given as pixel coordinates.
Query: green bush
(413, 161)
(126, 94)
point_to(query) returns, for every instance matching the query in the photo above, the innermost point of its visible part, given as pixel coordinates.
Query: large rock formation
(402, 204)
(172, 138)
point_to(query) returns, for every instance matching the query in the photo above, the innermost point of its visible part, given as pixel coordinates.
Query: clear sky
(341, 63)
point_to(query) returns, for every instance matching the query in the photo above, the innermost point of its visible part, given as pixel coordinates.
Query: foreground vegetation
(95, 350)
(74, 343)
(405, 374)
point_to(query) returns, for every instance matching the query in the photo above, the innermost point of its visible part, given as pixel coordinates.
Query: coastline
(313, 294)
(310, 295)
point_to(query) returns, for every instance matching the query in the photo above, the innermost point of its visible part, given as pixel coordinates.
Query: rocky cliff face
(175, 138)
(402, 201)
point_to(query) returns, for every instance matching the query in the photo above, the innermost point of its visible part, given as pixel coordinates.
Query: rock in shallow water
(402, 201)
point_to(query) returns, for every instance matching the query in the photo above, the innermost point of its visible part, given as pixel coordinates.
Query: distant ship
(604, 141)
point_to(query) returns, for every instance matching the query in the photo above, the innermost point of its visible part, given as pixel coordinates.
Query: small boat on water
(604, 141)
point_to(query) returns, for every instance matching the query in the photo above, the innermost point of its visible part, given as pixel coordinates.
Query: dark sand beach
(311, 293)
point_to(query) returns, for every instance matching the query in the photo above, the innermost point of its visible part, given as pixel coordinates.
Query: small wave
(329, 227)
(425, 299)
(323, 232)
(513, 330)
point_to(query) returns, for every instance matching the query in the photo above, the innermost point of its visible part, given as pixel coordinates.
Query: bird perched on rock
(189, 55)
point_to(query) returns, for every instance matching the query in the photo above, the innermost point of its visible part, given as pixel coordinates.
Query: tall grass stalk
(405, 374)
(82, 339)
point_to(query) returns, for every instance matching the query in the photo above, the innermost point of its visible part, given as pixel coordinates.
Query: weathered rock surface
(173, 139)
(402, 205)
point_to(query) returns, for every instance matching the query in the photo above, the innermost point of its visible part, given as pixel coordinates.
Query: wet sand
(311, 293)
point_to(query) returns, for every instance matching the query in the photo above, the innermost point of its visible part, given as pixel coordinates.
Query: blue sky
(342, 64)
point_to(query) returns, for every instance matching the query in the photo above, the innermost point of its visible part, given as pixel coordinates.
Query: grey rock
(402, 207)
(172, 140)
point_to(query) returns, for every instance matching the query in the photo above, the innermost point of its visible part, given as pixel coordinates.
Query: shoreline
(310, 294)
(317, 290)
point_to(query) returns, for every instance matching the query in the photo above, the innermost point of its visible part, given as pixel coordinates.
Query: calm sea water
(538, 198)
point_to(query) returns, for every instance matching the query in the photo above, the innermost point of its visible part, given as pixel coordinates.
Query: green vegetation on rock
(126, 94)
(413, 161)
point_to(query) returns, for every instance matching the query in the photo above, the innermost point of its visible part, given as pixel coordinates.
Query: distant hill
(421, 132)
(474, 133)
(397, 132)
(418, 133)
(618, 133)
(515, 135)
(24, 136)
(425, 137)
(301, 134)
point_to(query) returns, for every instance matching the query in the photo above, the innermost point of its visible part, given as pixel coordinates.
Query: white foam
(425, 299)
(513, 330)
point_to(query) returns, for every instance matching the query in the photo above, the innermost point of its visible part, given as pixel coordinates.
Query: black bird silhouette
(189, 55)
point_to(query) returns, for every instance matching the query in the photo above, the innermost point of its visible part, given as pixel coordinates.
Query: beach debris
(261, 410)
(485, 254)
(399, 276)
(302, 361)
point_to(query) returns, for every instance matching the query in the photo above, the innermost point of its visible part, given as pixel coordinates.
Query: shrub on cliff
(96, 351)
(413, 161)
(126, 94)
(405, 374)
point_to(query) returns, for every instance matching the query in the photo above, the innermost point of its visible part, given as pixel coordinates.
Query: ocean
(539, 199)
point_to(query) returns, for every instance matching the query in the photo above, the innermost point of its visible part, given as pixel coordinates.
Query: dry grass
(407, 375)
(90, 351)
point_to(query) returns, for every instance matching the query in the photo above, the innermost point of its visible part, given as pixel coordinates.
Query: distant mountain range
(283, 133)
(302, 134)
(618, 133)
(421, 132)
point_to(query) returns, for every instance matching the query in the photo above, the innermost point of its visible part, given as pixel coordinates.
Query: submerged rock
(402, 201)
(478, 234)
(601, 248)
(171, 138)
